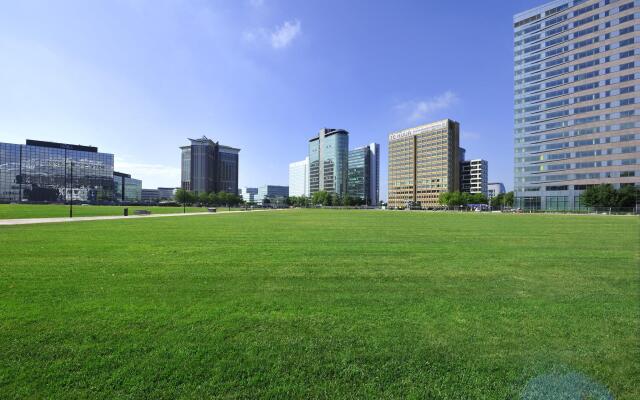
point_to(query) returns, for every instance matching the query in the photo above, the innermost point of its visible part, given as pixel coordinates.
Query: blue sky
(136, 78)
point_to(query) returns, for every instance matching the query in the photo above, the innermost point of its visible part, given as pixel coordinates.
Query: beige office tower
(423, 162)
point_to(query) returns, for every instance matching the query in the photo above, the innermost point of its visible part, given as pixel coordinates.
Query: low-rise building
(249, 194)
(126, 189)
(150, 195)
(272, 194)
(167, 193)
(495, 189)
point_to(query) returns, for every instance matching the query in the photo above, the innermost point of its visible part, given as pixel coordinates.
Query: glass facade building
(126, 189)
(423, 162)
(276, 195)
(208, 166)
(364, 171)
(577, 120)
(55, 172)
(328, 161)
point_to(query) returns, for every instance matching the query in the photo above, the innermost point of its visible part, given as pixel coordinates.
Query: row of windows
(540, 56)
(586, 120)
(576, 100)
(578, 110)
(584, 176)
(539, 47)
(571, 68)
(559, 29)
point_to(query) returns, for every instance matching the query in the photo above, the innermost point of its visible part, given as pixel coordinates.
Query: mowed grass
(15, 211)
(320, 304)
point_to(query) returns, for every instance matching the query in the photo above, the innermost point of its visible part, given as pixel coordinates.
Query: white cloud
(418, 110)
(279, 38)
(152, 175)
(285, 34)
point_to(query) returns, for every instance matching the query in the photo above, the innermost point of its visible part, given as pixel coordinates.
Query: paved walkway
(29, 221)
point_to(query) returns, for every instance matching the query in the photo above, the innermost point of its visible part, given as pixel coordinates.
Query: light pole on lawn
(71, 199)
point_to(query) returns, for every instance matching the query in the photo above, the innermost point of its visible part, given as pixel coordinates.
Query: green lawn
(13, 211)
(321, 304)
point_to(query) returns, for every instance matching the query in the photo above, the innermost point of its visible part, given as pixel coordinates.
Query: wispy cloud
(279, 38)
(417, 110)
(285, 34)
(152, 175)
(256, 3)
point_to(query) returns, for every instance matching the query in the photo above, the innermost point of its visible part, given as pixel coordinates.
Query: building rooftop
(55, 145)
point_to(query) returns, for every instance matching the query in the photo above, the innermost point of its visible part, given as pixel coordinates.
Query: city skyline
(138, 92)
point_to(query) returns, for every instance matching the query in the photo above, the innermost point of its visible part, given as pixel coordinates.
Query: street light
(71, 201)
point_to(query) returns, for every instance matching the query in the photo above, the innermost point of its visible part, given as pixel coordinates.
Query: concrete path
(29, 221)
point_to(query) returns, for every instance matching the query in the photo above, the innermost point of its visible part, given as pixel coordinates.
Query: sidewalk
(30, 221)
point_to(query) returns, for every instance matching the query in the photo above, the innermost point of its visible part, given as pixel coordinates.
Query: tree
(223, 198)
(628, 196)
(599, 196)
(509, 199)
(213, 199)
(320, 197)
(605, 196)
(203, 198)
(184, 196)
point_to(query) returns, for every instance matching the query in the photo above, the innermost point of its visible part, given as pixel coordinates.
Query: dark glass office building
(364, 170)
(55, 172)
(328, 161)
(208, 166)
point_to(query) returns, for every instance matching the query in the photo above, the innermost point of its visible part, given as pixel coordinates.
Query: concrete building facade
(424, 161)
(474, 176)
(576, 88)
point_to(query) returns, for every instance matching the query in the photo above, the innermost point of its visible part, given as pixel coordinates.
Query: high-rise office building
(474, 176)
(328, 161)
(363, 180)
(55, 172)
(208, 166)
(494, 189)
(126, 189)
(576, 100)
(423, 162)
(299, 178)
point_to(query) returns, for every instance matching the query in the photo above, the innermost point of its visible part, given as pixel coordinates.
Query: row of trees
(208, 199)
(457, 199)
(503, 200)
(323, 198)
(606, 196)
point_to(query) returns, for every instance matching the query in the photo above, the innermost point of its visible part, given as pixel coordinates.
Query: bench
(211, 209)
(142, 212)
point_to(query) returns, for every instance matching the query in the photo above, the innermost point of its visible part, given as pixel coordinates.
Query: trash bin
(126, 212)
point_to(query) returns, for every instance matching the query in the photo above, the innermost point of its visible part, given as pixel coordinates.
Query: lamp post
(71, 200)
